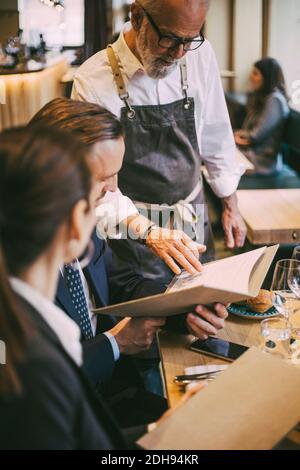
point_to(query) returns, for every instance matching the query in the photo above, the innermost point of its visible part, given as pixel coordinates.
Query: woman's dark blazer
(57, 408)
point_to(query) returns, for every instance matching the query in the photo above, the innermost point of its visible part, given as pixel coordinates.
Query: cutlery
(204, 375)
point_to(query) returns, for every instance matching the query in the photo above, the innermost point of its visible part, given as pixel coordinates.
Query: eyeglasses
(169, 41)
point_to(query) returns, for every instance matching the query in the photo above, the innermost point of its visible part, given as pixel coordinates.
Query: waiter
(161, 78)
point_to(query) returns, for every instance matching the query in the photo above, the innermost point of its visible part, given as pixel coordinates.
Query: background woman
(267, 110)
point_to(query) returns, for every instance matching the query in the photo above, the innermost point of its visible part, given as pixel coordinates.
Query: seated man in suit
(104, 339)
(108, 345)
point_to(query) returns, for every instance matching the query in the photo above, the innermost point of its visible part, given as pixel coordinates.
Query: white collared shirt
(64, 327)
(94, 82)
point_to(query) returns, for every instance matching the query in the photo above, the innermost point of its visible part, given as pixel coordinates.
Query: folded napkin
(201, 370)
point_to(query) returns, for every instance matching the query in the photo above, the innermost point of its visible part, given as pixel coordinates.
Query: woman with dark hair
(45, 400)
(267, 110)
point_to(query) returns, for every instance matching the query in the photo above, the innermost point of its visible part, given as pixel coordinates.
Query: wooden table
(271, 215)
(175, 355)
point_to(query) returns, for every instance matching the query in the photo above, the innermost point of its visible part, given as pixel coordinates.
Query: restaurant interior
(245, 136)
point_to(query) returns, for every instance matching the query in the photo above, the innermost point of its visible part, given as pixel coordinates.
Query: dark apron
(162, 166)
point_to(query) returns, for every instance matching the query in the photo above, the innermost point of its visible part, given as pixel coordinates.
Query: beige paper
(250, 406)
(228, 280)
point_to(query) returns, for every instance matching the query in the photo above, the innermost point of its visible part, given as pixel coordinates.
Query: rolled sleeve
(114, 209)
(218, 149)
(114, 345)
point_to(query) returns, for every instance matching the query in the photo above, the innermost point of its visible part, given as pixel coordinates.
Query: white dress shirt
(64, 327)
(94, 82)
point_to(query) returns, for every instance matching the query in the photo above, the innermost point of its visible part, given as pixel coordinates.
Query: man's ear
(137, 16)
(77, 220)
(73, 232)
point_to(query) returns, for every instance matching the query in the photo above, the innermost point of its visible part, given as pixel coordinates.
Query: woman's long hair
(272, 75)
(273, 79)
(43, 174)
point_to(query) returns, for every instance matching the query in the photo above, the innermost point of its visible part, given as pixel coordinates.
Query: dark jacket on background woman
(264, 126)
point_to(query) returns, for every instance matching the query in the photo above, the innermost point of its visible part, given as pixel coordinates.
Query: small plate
(245, 312)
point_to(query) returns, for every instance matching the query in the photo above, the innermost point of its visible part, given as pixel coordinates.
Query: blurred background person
(267, 111)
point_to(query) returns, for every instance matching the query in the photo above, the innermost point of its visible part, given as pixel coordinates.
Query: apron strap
(119, 80)
(184, 82)
(122, 90)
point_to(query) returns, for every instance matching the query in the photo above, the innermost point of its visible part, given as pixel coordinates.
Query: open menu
(226, 281)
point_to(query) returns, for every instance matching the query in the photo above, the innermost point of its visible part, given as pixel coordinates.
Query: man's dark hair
(91, 123)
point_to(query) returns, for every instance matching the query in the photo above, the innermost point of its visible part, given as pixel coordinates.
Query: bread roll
(259, 304)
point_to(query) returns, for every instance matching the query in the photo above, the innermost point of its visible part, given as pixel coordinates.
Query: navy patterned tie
(74, 284)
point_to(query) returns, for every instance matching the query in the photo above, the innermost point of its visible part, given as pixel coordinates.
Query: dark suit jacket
(57, 409)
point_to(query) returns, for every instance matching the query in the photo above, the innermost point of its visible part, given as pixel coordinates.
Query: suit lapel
(96, 273)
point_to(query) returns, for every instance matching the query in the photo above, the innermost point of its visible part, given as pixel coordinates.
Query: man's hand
(135, 335)
(176, 249)
(205, 322)
(234, 227)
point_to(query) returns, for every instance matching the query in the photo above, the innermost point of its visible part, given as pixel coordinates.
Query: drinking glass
(296, 253)
(276, 335)
(294, 284)
(293, 277)
(283, 297)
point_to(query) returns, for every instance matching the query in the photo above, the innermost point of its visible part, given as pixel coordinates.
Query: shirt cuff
(114, 209)
(225, 185)
(114, 345)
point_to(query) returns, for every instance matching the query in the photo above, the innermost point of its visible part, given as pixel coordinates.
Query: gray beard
(156, 72)
(153, 67)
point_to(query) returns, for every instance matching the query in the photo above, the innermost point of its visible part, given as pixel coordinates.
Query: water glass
(294, 277)
(296, 253)
(276, 337)
(283, 297)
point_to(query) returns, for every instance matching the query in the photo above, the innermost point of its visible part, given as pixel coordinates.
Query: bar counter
(24, 92)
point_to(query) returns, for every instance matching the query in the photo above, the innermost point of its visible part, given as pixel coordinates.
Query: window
(284, 43)
(65, 28)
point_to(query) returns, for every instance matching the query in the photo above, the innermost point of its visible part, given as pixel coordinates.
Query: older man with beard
(161, 78)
